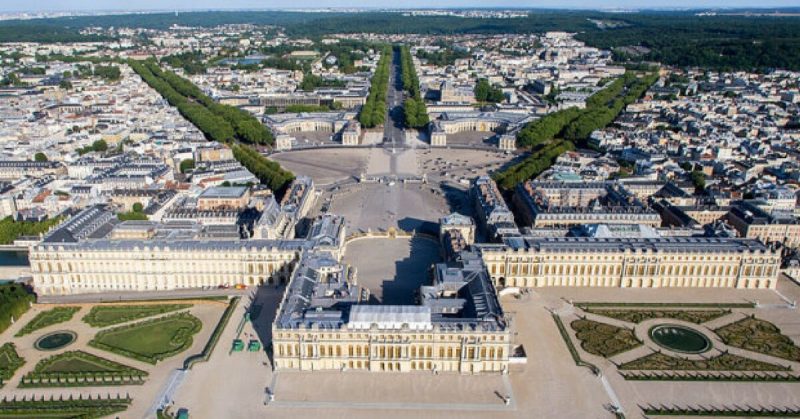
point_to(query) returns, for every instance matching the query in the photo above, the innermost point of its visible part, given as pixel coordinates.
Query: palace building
(631, 262)
(323, 323)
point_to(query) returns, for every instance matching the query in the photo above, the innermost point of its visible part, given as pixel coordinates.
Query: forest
(676, 38)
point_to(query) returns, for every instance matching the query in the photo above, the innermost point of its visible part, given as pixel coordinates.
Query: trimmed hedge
(604, 339)
(10, 361)
(760, 336)
(79, 368)
(48, 318)
(749, 412)
(129, 341)
(571, 347)
(64, 407)
(658, 361)
(212, 341)
(638, 316)
(107, 315)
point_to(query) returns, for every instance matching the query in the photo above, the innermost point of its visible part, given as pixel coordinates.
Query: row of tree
(11, 229)
(601, 109)
(414, 109)
(533, 165)
(373, 113)
(267, 171)
(573, 126)
(222, 123)
(218, 122)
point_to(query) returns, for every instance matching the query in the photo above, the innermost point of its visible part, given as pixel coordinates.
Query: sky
(95, 5)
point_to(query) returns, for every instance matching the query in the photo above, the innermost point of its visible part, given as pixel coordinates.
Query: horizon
(341, 6)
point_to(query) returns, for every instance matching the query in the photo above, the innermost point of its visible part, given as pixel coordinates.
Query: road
(394, 136)
(106, 297)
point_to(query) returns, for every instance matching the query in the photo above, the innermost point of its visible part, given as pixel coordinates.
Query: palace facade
(632, 262)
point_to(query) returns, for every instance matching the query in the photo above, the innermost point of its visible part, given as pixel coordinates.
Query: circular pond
(680, 338)
(55, 340)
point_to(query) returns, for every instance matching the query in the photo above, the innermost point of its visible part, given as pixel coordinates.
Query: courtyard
(393, 269)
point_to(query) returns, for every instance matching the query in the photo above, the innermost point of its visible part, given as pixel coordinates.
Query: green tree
(100, 146)
(40, 157)
(138, 207)
(186, 165)
(698, 180)
(482, 90)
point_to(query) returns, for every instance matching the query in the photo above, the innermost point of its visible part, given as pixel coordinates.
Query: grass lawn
(107, 315)
(150, 340)
(48, 318)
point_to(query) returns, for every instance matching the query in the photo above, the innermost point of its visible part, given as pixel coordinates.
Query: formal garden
(79, 368)
(638, 316)
(109, 315)
(147, 331)
(150, 340)
(63, 407)
(10, 362)
(760, 336)
(603, 339)
(678, 352)
(723, 362)
(48, 318)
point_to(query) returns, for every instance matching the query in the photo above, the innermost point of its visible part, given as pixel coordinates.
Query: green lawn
(107, 315)
(150, 340)
(48, 318)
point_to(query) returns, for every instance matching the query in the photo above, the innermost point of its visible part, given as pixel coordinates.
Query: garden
(724, 362)
(10, 362)
(79, 368)
(48, 318)
(638, 316)
(64, 407)
(108, 315)
(604, 339)
(760, 336)
(150, 340)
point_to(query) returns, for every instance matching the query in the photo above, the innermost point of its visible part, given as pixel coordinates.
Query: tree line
(573, 126)
(675, 38)
(267, 171)
(221, 123)
(218, 122)
(373, 113)
(414, 109)
(11, 229)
